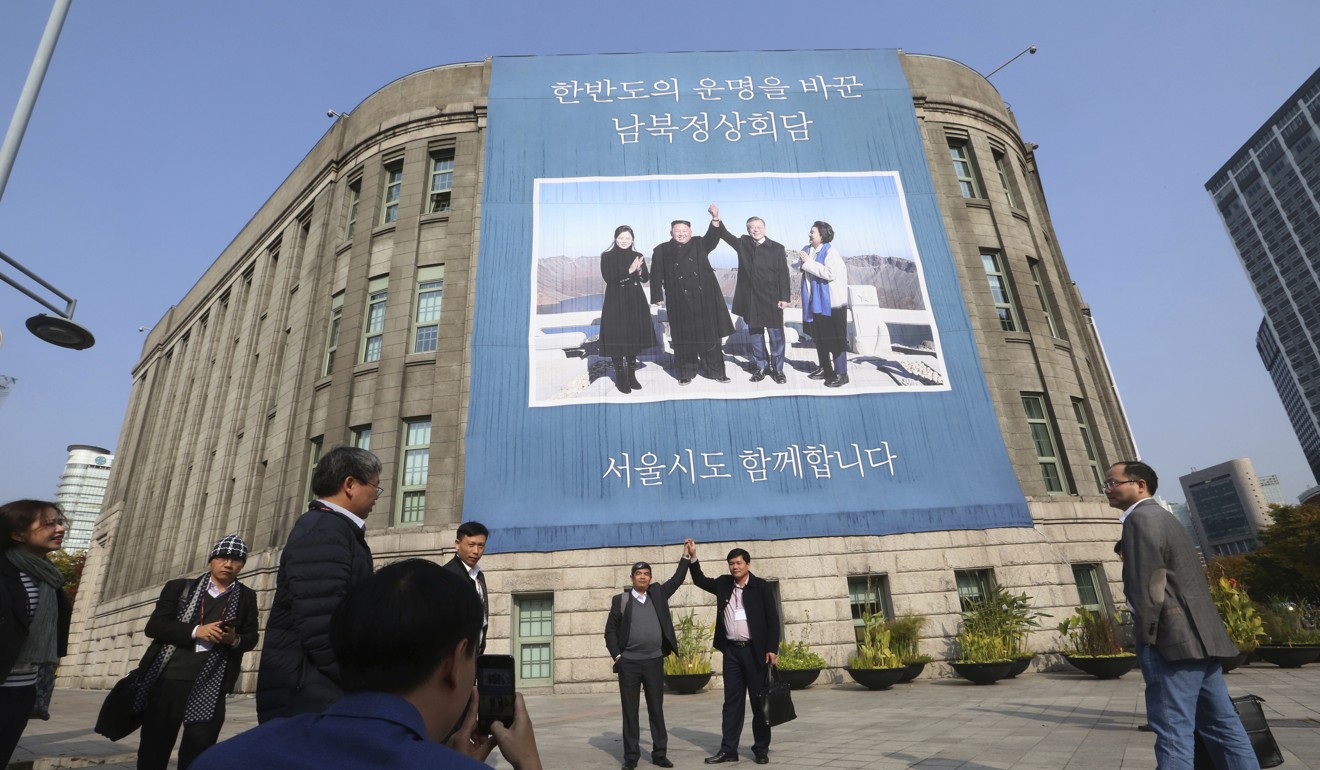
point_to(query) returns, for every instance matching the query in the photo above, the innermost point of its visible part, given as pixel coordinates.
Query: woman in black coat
(34, 610)
(625, 318)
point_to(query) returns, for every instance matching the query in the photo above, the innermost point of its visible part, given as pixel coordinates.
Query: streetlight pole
(1028, 49)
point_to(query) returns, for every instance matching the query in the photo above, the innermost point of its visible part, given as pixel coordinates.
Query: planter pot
(686, 684)
(1108, 667)
(877, 678)
(1020, 665)
(798, 678)
(983, 673)
(1284, 656)
(912, 671)
(1231, 663)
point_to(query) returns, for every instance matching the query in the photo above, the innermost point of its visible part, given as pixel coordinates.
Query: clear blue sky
(164, 125)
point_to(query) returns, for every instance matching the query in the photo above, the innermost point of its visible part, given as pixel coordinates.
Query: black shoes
(763, 758)
(684, 380)
(723, 380)
(819, 374)
(778, 377)
(758, 375)
(629, 766)
(632, 376)
(838, 382)
(721, 758)
(662, 762)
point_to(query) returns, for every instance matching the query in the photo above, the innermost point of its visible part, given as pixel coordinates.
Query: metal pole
(23, 112)
(1028, 49)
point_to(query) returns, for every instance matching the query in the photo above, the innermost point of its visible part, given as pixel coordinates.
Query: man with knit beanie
(199, 630)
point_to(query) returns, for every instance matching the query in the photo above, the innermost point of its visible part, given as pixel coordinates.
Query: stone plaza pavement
(1039, 721)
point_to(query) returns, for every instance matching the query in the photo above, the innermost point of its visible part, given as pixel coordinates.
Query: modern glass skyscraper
(82, 490)
(1268, 195)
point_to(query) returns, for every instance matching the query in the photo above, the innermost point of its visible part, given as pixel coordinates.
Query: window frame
(333, 333)
(433, 276)
(996, 275)
(1005, 178)
(869, 591)
(378, 291)
(1046, 423)
(1097, 584)
(1093, 459)
(522, 642)
(361, 437)
(413, 478)
(354, 201)
(960, 152)
(391, 191)
(1038, 279)
(982, 579)
(438, 156)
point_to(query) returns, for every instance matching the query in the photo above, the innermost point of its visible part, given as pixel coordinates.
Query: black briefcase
(776, 700)
(1258, 732)
(117, 719)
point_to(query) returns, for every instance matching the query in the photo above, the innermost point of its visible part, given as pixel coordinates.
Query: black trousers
(743, 679)
(634, 676)
(691, 360)
(161, 723)
(15, 707)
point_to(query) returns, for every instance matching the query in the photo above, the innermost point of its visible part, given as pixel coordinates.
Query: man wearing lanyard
(469, 546)
(747, 633)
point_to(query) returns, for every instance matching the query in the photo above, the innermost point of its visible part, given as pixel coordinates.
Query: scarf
(41, 645)
(820, 290)
(205, 692)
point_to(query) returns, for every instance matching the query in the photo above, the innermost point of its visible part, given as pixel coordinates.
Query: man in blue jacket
(325, 556)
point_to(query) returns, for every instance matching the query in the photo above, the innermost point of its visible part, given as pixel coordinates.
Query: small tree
(70, 566)
(1287, 563)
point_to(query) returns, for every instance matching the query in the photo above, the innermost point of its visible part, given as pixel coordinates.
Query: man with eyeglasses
(326, 555)
(1178, 633)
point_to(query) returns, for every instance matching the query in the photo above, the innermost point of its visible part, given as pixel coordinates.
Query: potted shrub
(1291, 644)
(904, 636)
(798, 665)
(1096, 649)
(875, 666)
(1240, 618)
(982, 642)
(1019, 619)
(689, 670)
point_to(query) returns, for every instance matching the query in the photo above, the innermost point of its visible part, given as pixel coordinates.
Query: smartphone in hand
(495, 691)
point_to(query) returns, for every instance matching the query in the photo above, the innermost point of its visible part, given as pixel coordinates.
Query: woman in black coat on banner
(625, 318)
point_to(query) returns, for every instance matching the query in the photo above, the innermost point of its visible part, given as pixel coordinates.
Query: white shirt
(215, 592)
(339, 509)
(639, 597)
(1128, 512)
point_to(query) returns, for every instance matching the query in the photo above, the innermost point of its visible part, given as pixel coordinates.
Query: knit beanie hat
(231, 546)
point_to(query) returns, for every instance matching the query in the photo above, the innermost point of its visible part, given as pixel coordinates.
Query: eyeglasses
(1111, 483)
(379, 489)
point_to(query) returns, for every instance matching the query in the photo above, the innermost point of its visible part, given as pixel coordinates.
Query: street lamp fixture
(58, 329)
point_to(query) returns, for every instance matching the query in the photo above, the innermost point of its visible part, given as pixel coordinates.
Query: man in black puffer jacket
(326, 555)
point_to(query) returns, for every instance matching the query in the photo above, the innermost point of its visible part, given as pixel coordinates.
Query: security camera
(329, 113)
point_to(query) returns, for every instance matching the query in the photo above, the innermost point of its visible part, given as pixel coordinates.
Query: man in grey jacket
(1179, 635)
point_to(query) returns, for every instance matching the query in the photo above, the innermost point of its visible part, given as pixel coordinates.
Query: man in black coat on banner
(747, 632)
(762, 293)
(684, 283)
(639, 633)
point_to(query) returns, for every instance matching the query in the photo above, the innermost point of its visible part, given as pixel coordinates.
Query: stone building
(342, 314)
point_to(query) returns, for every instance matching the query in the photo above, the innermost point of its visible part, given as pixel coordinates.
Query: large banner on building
(619, 393)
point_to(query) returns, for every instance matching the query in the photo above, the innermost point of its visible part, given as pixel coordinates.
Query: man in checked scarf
(200, 629)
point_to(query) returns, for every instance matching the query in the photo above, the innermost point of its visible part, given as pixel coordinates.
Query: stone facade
(232, 398)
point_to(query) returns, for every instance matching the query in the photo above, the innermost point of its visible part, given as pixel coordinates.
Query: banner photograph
(715, 299)
(893, 342)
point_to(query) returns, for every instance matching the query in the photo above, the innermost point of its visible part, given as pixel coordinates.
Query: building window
(962, 168)
(1005, 180)
(1000, 292)
(389, 202)
(1087, 578)
(868, 594)
(1039, 281)
(1088, 440)
(332, 336)
(442, 180)
(362, 437)
(973, 584)
(373, 331)
(314, 457)
(354, 196)
(1042, 435)
(534, 628)
(416, 465)
(426, 321)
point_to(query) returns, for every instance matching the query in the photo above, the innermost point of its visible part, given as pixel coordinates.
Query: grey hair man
(325, 556)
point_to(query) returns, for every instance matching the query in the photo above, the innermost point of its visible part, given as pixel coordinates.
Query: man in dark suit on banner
(761, 294)
(639, 634)
(469, 546)
(1179, 635)
(684, 283)
(747, 633)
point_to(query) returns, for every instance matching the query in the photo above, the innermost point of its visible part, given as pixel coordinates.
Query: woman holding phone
(199, 630)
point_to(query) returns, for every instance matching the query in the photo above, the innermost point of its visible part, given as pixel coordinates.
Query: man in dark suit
(639, 634)
(684, 283)
(761, 294)
(469, 546)
(747, 633)
(199, 630)
(1179, 635)
(326, 555)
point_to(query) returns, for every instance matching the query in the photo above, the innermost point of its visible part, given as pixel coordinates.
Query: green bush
(693, 646)
(1092, 634)
(796, 656)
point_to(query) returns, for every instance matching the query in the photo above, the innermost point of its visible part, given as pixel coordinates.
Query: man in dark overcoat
(761, 294)
(326, 555)
(684, 283)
